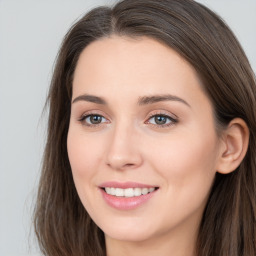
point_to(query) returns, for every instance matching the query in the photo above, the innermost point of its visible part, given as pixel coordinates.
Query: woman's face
(141, 142)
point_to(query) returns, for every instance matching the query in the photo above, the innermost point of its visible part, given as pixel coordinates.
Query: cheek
(83, 154)
(187, 164)
(84, 157)
(190, 157)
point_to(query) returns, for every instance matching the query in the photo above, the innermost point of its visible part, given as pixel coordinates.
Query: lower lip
(126, 203)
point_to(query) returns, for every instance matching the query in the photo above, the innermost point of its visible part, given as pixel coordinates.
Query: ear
(234, 146)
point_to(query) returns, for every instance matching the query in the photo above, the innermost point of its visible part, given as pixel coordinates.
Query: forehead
(137, 58)
(122, 68)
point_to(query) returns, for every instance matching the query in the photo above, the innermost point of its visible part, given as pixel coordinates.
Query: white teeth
(112, 191)
(119, 192)
(108, 190)
(137, 191)
(128, 192)
(151, 189)
(144, 191)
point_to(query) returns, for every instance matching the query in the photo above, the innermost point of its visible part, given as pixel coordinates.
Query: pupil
(95, 119)
(160, 120)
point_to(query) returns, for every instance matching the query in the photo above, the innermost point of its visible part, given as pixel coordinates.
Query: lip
(115, 184)
(126, 203)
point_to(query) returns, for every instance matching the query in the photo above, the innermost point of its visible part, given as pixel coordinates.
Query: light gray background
(30, 34)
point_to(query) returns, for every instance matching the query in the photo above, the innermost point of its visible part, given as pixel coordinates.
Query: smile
(127, 196)
(128, 192)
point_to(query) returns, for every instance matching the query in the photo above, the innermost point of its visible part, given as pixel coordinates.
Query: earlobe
(234, 146)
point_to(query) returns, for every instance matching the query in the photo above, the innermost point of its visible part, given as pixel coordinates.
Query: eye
(162, 120)
(92, 119)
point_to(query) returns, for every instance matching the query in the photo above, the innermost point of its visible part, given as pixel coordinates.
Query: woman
(151, 137)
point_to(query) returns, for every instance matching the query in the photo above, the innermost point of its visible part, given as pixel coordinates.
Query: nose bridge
(123, 151)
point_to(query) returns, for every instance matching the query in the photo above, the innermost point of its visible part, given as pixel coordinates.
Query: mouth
(128, 192)
(127, 196)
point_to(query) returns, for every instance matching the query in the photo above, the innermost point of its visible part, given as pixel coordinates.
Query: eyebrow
(145, 100)
(158, 98)
(90, 98)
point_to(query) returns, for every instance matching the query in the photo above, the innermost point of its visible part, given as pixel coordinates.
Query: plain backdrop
(30, 34)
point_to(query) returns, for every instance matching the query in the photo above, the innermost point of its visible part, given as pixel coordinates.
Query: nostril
(129, 164)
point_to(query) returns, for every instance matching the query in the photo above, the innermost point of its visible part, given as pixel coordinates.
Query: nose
(124, 150)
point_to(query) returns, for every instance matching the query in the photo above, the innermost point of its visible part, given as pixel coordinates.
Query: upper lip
(129, 184)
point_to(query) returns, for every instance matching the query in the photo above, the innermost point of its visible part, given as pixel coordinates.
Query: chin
(129, 233)
(128, 236)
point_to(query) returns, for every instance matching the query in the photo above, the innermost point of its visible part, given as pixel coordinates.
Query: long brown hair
(228, 227)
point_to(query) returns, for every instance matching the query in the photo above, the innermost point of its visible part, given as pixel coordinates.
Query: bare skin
(146, 120)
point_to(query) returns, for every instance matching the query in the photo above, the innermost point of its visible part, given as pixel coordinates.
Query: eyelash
(172, 120)
(85, 116)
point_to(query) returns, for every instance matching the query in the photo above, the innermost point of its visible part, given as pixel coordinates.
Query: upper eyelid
(173, 121)
(173, 118)
(164, 113)
(151, 114)
(94, 112)
(83, 117)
